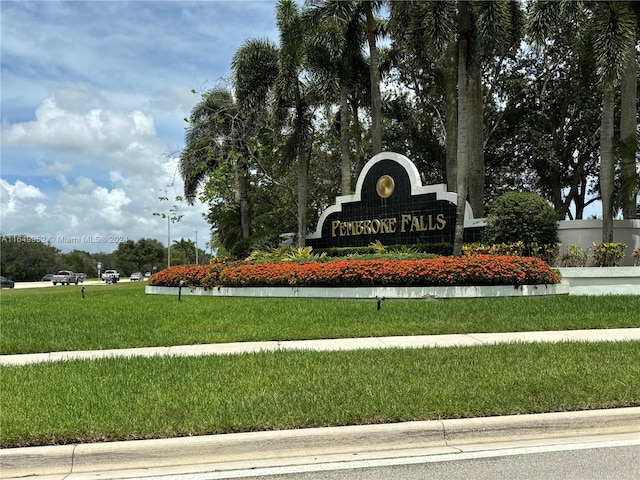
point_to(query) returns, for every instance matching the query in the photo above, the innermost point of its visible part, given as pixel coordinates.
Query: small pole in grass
(82, 292)
(379, 299)
(180, 290)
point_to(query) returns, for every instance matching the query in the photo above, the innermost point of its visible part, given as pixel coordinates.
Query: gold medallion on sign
(385, 186)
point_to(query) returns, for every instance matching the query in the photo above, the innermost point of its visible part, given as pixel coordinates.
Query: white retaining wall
(587, 232)
(601, 280)
(369, 293)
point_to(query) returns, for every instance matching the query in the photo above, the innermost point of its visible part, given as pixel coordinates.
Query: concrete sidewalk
(420, 341)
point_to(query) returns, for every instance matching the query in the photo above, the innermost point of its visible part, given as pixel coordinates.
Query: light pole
(197, 262)
(172, 216)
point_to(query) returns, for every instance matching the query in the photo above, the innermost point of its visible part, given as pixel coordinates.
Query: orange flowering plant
(442, 271)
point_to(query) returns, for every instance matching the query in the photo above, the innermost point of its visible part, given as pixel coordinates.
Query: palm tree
(462, 154)
(221, 126)
(613, 28)
(361, 16)
(334, 57)
(213, 140)
(255, 68)
(629, 124)
(497, 27)
(614, 32)
(426, 30)
(370, 8)
(293, 101)
(209, 127)
(461, 34)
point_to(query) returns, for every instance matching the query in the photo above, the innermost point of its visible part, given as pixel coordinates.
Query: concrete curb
(231, 451)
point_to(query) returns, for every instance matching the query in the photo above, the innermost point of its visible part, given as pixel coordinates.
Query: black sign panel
(392, 206)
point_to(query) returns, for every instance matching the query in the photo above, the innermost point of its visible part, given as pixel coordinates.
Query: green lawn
(115, 399)
(121, 315)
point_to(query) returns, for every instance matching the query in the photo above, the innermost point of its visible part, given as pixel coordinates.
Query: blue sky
(93, 100)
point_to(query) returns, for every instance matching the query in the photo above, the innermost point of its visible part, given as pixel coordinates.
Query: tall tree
(496, 33)
(370, 9)
(213, 143)
(545, 136)
(255, 68)
(425, 32)
(629, 178)
(443, 23)
(336, 58)
(294, 101)
(462, 154)
(614, 33)
(347, 27)
(612, 26)
(223, 137)
(466, 32)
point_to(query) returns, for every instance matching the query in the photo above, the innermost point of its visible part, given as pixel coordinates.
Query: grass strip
(117, 399)
(122, 316)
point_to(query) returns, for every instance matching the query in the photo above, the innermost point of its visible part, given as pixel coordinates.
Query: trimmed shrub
(575, 256)
(444, 248)
(441, 271)
(607, 254)
(521, 217)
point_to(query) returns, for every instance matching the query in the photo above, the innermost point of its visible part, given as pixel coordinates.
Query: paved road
(614, 460)
(20, 285)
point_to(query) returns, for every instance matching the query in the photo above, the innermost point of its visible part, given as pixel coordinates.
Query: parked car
(6, 282)
(65, 277)
(110, 276)
(81, 277)
(47, 277)
(135, 277)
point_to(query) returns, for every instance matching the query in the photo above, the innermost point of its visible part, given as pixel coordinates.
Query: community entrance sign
(391, 205)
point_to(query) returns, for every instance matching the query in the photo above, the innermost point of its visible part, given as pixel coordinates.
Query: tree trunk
(242, 198)
(451, 99)
(462, 150)
(303, 183)
(374, 73)
(628, 135)
(606, 163)
(344, 141)
(357, 139)
(476, 143)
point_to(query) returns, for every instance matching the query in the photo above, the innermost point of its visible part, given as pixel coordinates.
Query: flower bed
(443, 271)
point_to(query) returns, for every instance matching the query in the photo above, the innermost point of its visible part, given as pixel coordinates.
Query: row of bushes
(441, 271)
(601, 255)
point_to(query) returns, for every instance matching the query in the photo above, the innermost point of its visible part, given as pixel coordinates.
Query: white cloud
(83, 186)
(53, 169)
(74, 97)
(17, 201)
(97, 132)
(93, 100)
